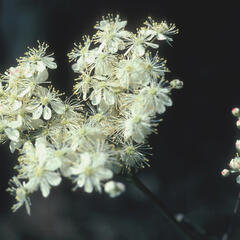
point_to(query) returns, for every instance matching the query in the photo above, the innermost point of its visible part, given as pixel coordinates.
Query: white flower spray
(234, 164)
(120, 91)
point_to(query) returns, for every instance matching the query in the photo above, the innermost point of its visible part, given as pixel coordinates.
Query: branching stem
(186, 233)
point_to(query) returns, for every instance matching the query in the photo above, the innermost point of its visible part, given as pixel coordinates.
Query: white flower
(154, 98)
(83, 55)
(37, 56)
(40, 167)
(138, 43)
(162, 30)
(27, 86)
(104, 63)
(91, 171)
(79, 136)
(137, 126)
(130, 73)
(102, 91)
(132, 155)
(111, 34)
(21, 195)
(114, 189)
(153, 68)
(40, 107)
(235, 163)
(10, 128)
(83, 86)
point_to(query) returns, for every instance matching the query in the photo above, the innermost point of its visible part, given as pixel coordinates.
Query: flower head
(119, 92)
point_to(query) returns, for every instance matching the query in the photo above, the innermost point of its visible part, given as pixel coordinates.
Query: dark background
(195, 142)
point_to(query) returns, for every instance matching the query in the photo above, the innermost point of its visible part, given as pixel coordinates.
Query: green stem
(187, 235)
(228, 234)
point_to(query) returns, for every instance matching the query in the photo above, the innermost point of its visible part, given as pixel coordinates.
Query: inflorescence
(120, 90)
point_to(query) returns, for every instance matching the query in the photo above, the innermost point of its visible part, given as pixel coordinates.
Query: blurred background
(195, 141)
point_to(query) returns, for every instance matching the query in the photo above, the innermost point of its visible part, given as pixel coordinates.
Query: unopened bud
(225, 172)
(237, 144)
(238, 123)
(236, 112)
(114, 189)
(177, 84)
(235, 163)
(179, 217)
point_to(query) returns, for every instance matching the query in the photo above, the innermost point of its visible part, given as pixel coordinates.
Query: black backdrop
(195, 140)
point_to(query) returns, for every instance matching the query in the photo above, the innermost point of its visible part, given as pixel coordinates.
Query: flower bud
(237, 145)
(225, 172)
(238, 123)
(236, 112)
(179, 217)
(114, 189)
(177, 84)
(235, 163)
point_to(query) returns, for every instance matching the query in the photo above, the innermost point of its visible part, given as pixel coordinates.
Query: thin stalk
(187, 235)
(227, 235)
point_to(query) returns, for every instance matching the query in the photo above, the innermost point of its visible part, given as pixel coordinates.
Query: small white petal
(153, 45)
(15, 124)
(45, 188)
(42, 76)
(53, 178)
(49, 62)
(85, 159)
(12, 134)
(47, 113)
(139, 50)
(161, 37)
(24, 92)
(104, 173)
(96, 97)
(13, 145)
(88, 187)
(16, 105)
(58, 107)
(33, 184)
(81, 181)
(41, 66)
(108, 97)
(53, 164)
(37, 113)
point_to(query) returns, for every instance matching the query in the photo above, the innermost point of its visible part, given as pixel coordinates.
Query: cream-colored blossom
(111, 34)
(91, 171)
(39, 167)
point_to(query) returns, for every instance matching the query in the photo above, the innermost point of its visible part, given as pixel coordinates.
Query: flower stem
(186, 234)
(227, 235)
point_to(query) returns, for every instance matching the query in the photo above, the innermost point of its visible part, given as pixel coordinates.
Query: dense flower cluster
(234, 164)
(119, 90)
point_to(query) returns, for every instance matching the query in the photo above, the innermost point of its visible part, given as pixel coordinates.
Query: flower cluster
(120, 90)
(234, 164)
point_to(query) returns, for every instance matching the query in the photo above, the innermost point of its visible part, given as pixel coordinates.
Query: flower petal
(53, 164)
(88, 187)
(47, 113)
(45, 187)
(12, 134)
(37, 113)
(53, 178)
(58, 106)
(108, 97)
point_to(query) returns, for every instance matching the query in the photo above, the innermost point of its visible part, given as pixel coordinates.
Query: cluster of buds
(120, 90)
(234, 164)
